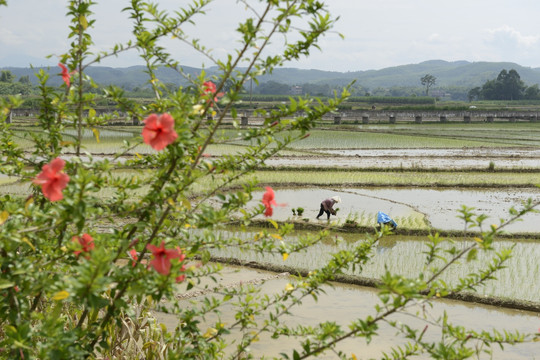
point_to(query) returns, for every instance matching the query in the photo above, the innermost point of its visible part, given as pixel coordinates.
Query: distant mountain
(456, 73)
(128, 78)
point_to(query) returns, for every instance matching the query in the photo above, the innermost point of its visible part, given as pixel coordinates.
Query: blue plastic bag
(382, 218)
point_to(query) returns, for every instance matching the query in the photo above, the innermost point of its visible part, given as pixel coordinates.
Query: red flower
(268, 200)
(66, 75)
(133, 255)
(52, 179)
(158, 132)
(209, 88)
(162, 257)
(182, 277)
(86, 242)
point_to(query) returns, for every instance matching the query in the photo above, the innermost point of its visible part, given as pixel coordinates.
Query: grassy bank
(402, 178)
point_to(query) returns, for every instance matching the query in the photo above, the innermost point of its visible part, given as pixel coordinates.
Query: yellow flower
(198, 109)
(3, 217)
(209, 333)
(61, 295)
(289, 287)
(285, 256)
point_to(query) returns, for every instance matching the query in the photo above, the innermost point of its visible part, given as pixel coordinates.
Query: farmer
(384, 219)
(327, 206)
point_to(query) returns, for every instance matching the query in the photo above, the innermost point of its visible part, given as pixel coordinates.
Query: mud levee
(361, 281)
(350, 228)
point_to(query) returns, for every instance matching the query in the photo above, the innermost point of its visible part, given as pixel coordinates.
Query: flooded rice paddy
(344, 303)
(404, 255)
(461, 158)
(410, 207)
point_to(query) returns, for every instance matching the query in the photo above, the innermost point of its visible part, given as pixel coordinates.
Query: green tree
(15, 88)
(532, 92)
(6, 76)
(511, 85)
(474, 94)
(25, 79)
(428, 81)
(507, 86)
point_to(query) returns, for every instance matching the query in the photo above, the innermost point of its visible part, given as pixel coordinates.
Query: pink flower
(162, 257)
(52, 179)
(86, 242)
(158, 132)
(209, 88)
(66, 75)
(133, 255)
(268, 200)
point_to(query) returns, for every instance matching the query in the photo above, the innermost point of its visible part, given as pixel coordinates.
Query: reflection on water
(410, 207)
(345, 303)
(404, 255)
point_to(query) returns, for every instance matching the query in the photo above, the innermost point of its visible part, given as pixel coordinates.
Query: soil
(444, 159)
(343, 303)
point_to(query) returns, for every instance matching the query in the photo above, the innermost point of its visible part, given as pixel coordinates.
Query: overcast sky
(378, 33)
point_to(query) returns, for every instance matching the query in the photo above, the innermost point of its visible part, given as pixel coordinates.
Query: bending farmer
(327, 206)
(382, 218)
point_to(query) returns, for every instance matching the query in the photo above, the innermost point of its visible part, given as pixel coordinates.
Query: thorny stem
(157, 226)
(244, 76)
(80, 92)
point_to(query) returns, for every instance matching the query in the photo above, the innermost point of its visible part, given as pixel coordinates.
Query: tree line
(9, 85)
(507, 86)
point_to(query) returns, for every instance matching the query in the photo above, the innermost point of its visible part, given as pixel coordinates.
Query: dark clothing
(327, 207)
(323, 210)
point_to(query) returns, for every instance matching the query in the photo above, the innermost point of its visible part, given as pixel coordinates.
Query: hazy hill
(457, 73)
(129, 77)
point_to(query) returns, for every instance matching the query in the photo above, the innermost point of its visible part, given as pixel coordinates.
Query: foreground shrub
(82, 273)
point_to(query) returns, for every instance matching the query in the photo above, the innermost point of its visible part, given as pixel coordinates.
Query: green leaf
(83, 22)
(472, 254)
(273, 223)
(4, 284)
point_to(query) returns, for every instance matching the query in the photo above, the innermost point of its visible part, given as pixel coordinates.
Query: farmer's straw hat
(336, 199)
